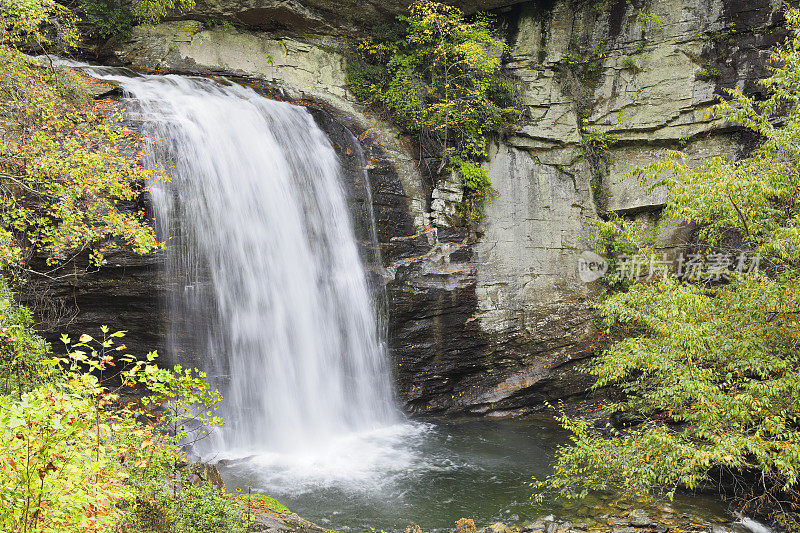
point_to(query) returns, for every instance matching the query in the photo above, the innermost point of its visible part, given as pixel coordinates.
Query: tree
(64, 169)
(439, 75)
(32, 21)
(115, 18)
(67, 165)
(711, 372)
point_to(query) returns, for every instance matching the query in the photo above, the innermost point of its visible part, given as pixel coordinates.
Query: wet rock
(617, 521)
(640, 518)
(498, 527)
(534, 527)
(207, 473)
(269, 524)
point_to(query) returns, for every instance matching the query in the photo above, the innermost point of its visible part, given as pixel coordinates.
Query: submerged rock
(640, 518)
(498, 527)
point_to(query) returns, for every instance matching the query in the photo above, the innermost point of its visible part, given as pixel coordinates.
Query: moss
(218, 24)
(707, 74)
(266, 503)
(648, 21)
(629, 63)
(588, 70)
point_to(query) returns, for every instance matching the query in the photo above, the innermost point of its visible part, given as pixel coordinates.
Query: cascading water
(269, 289)
(269, 274)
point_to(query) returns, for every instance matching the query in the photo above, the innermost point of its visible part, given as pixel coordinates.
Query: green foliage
(204, 509)
(262, 502)
(109, 18)
(53, 475)
(477, 185)
(586, 66)
(596, 143)
(613, 239)
(710, 374)
(78, 458)
(63, 170)
(22, 352)
(706, 74)
(152, 11)
(177, 395)
(35, 22)
(648, 21)
(42, 24)
(66, 164)
(221, 24)
(440, 78)
(594, 147)
(726, 34)
(629, 63)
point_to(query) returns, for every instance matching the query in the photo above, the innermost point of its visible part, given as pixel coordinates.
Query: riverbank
(613, 518)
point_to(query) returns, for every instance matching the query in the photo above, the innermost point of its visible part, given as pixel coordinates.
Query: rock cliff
(494, 321)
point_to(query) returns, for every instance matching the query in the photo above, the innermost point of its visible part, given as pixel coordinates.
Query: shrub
(54, 476)
(440, 78)
(63, 170)
(22, 351)
(205, 509)
(629, 63)
(648, 21)
(706, 74)
(76, 458)
(109, 18)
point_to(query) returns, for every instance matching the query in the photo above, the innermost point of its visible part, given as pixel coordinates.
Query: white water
(271, 288)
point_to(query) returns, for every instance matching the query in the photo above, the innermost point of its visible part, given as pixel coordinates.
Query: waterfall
(270, 287)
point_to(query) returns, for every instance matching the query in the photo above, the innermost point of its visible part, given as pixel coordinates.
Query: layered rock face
(321, 16)
(493, 320)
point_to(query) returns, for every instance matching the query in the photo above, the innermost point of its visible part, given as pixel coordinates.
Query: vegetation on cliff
(711, 371)
(439, 75)
(114, 19)
(67, 164)
(77, 455)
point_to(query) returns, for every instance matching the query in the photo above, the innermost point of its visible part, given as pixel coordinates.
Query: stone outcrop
(634, 73)
(493, 320)
(320, 16)
(621, 518)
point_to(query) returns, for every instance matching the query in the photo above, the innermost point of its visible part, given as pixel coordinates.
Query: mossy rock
(265, 503)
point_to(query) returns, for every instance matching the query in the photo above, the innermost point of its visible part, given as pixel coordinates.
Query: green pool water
(428, 474)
